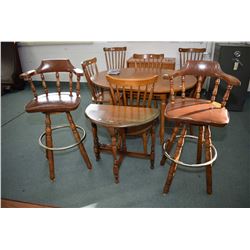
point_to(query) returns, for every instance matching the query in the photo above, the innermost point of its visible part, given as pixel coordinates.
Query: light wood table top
(162, 86)
(120, 116)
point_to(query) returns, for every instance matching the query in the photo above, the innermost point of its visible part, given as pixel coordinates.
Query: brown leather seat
(197, 112)
(53, 103)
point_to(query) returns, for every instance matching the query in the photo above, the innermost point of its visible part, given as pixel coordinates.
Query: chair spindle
(44, 84)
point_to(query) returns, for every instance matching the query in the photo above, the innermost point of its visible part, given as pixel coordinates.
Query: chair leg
(122, 137)
(78, 138)
(155, 104)
(199, 144)
(177, 155)
(114, 152)
(145, 142)
(46, 143)
(169, 143)
(96, 142)
(152, 155)
(191, 132)
(208, 144)
(49, 143)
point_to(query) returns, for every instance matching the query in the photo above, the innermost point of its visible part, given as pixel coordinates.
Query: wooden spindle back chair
(56, 102)
(115, 57)
(194, 54)
(148, 61)
(90, 70)
(195, 111)
(131, 92)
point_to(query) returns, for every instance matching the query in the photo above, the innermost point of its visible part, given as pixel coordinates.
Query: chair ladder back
(194, 54)
(44, 84)
(148, 61)
(115, 57)
(90, 69)
(137, 93)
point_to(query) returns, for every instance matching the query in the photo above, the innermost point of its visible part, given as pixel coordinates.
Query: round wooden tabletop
(162, 86)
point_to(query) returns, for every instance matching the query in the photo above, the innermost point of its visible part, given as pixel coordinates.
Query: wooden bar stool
(196, 112)
(56, 102)
(130, 115)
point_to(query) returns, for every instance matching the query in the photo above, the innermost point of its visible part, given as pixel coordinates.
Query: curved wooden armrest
(78, 72)
(27, 75)
(230, 79)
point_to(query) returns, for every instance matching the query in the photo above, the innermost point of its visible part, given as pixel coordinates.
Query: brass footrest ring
(61, 148)
(195, 165)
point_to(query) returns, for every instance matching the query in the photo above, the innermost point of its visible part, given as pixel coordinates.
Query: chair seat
(120, 116)
(53, 102)
(197, 111)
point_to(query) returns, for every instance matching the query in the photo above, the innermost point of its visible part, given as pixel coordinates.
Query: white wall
(31, 53)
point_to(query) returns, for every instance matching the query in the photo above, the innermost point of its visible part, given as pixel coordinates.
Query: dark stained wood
(199, 144)
(78, 138)
(56, 102)
(49, 143)
(161, 87)
(167, 63)
(6, 203)
(96, 141)
(208, 143)
(130, 114)
(198, 112)
(115, 57)
(170, 143)
(177, 155)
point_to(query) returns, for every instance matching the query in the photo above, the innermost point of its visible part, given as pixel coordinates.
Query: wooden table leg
(114, 152)
(96, 142)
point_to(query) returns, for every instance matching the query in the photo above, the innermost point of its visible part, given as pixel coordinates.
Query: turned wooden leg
(191, 132)
(78, 138)
(169, 144)
(46, 143)
(177, 155)
(49, 143)
(199, 144)
(162, 119)
(114, 152)
(96, 142)
(208, 144)
(152, 154)
(145, 142)
(122, 137)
